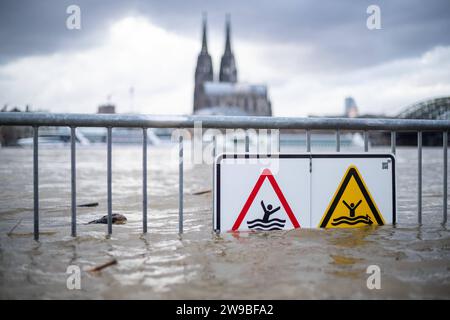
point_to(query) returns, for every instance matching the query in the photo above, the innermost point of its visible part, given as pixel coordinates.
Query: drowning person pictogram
(352, 205)
(266, 223)
(352, 219)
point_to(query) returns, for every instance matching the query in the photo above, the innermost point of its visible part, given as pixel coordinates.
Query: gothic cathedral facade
(226, 96)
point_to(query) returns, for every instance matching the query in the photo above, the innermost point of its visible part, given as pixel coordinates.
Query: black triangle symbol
(352, 173)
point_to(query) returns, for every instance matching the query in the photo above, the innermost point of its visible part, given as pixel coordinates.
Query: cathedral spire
(204, 40)
(228, 41)
(204, 69)
(228, 72)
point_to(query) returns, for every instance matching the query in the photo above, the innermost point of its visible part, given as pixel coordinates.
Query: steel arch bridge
(436, 108)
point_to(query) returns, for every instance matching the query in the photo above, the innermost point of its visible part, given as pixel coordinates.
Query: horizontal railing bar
(244, 122)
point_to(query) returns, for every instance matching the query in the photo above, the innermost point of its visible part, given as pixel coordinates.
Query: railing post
(393, 142)
(213, 177)
(109, 178)
(214, 147)
(445, 145)
(144, 180)
(279, 141)
(308, 140)
(73, 179)
(180, 186)
(338, 141)
(36, 181)
(247, 142)
(257, 142)
(366, 141)
(274, 141)
(419, 178)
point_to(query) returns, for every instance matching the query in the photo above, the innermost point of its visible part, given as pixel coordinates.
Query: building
(351, 109)
(226, 96)
(107, 108)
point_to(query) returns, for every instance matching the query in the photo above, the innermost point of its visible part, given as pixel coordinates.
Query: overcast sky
(311, 54)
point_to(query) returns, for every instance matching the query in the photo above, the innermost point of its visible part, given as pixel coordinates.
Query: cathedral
(226, 96)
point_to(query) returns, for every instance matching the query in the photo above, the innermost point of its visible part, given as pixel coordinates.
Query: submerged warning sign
(289, 191)
(267, 221)
(352, 204)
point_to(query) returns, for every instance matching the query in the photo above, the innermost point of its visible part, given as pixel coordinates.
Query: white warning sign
(287, 191)
(257, 194)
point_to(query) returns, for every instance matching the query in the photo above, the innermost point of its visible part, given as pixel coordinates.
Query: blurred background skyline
(141, 55)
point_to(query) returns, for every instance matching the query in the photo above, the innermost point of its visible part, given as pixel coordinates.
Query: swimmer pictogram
(352, 204)
(266, 223)
(352, 219)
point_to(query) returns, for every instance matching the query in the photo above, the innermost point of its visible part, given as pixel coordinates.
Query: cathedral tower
(204, 69)
(228, 72)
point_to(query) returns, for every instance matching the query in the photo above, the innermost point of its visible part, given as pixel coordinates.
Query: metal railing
(144, 122)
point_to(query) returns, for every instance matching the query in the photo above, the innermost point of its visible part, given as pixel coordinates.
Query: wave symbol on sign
(353, 218)
(266, 224)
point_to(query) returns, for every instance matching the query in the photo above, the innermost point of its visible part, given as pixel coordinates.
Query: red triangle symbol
(265, 174)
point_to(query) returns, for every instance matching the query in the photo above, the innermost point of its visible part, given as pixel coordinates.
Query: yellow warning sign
(352, 205)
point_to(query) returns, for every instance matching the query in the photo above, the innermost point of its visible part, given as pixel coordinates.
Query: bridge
(436, 108)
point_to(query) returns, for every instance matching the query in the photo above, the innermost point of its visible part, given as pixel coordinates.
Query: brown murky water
(414, 262)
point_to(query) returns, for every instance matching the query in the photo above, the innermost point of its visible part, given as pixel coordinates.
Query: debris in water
(103, 266)
(198, 193)
(89, 204)
(117, 218)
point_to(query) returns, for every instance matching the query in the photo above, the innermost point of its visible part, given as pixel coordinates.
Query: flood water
(298, 264)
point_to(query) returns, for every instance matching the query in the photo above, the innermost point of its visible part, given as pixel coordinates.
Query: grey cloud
(336, 30)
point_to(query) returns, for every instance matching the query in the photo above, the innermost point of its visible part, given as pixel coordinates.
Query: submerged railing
(144, 122)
